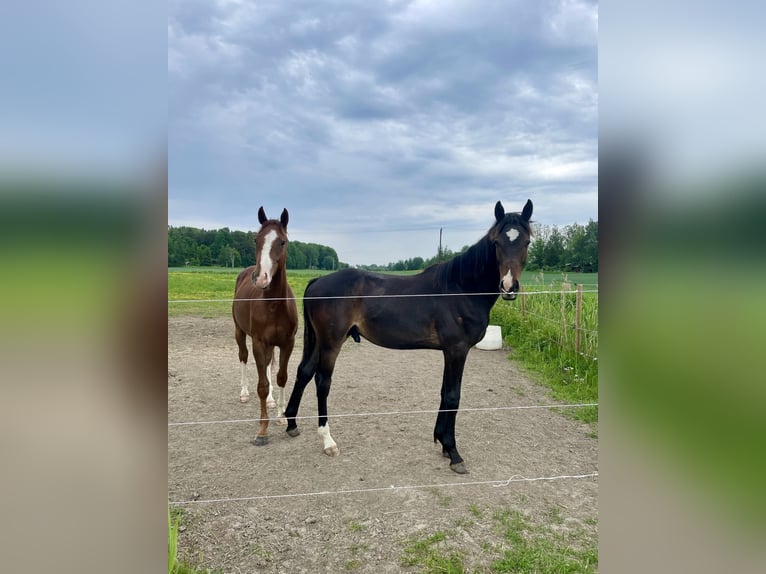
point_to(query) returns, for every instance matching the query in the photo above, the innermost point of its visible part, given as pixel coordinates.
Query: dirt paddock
(363, 531)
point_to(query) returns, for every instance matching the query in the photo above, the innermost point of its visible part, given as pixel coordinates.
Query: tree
(228, 256)
(204, 256)
(553, 252)
(328, 263)
(575, 258)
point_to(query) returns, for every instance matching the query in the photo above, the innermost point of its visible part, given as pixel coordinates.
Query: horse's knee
(263, 390)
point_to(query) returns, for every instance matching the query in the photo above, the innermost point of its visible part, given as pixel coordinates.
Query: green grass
(218, 283)
(428, 554)
(172, 542)
(355, 527)
(175, 516)
(542, 338)
(517, 546)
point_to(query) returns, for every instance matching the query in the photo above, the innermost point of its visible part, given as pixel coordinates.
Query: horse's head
(511, 235)
(270, 248)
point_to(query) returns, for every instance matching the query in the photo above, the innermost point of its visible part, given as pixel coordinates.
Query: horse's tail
(310, 358)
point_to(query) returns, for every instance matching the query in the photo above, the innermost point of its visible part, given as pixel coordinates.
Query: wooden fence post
(578, 314)
(523, 303)
(563, 315)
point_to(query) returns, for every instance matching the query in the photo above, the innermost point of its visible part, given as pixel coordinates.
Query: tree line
(226, 248)
(571, 248)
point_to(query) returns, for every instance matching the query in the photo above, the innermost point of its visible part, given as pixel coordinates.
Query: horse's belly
(400, 337)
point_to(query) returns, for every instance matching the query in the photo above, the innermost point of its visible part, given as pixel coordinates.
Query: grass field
(205, 283)
(185, 284)
(542, 338)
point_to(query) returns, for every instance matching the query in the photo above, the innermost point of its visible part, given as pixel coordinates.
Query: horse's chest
(273, 324)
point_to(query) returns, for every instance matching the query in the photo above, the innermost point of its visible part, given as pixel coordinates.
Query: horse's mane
(468, 268)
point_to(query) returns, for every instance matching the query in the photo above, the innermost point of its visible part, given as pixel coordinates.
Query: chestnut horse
(430, 310)
(264, 308)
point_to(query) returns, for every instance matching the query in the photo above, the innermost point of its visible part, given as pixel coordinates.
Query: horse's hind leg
(444, 431)
(241, 337)
(323, 381)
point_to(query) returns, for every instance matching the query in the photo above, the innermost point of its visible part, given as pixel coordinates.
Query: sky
(378, 123)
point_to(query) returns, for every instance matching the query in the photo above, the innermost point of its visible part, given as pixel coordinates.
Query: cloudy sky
(377, 123)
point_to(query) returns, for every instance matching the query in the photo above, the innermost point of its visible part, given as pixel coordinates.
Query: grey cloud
(371, 108)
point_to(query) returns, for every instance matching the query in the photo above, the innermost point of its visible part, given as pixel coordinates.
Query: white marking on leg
(281, 420)
(512, 234)
(244, 394)
(330, 448)
(270, 399)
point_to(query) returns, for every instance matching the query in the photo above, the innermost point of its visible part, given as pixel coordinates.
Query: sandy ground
(364, 531)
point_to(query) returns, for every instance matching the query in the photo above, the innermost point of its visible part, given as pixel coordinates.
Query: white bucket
(493, 339)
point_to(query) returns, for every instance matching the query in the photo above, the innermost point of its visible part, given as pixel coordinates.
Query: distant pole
(440, 243)
(578, 315)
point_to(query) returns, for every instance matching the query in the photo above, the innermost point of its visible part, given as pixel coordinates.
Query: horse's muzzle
(509, 295)
(261, 281)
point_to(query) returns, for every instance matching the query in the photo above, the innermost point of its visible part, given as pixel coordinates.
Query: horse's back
(353, 302)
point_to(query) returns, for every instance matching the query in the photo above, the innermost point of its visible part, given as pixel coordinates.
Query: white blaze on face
(507, 281)
(264, 278)
(512, 234)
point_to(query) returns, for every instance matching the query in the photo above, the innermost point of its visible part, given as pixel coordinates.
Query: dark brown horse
(445, 307)
(270, 316)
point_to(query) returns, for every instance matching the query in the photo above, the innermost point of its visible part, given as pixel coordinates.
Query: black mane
(467, 269)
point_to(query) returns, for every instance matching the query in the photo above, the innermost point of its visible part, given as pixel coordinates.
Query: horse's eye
(283, 243)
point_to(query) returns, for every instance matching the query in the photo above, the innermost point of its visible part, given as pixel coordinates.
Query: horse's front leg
(270, 403)
(444, 431)
(263, 357)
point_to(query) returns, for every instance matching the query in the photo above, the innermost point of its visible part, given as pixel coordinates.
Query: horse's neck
(278, 287)
(476, 269)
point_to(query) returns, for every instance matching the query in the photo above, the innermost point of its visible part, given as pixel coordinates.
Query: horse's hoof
(272, 404)
(332, 451)
(244, 398)
(281, 421)
(459, 467)
(294, 432)
(261, 440)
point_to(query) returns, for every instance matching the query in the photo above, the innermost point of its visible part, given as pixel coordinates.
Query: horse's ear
(284, 218)
(527, 212)
(262, 216)
(499, 211)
